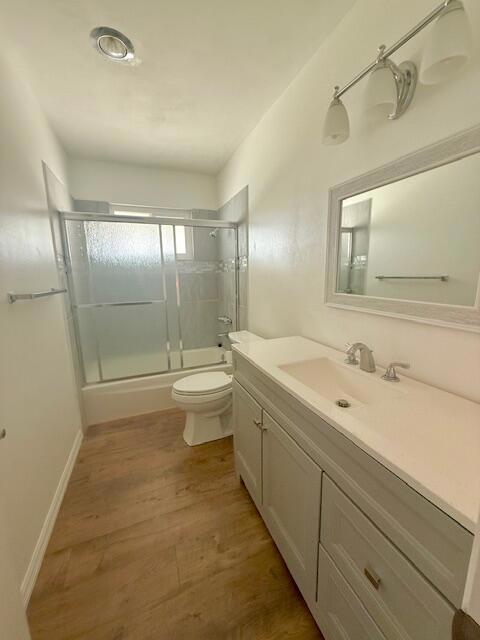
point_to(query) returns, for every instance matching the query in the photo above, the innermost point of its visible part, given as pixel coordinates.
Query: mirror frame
(444, 152)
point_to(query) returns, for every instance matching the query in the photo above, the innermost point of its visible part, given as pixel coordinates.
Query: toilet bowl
(207, 400)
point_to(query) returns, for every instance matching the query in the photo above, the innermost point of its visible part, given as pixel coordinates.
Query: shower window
(145, 299)
(184, 235)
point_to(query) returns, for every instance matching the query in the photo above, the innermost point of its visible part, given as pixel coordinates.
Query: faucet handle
(391, 375)
(350, 359)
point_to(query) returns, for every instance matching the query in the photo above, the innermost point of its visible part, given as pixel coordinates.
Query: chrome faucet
(391, 375)
(367, 363)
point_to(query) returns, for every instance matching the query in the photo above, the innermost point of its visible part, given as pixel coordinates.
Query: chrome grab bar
(442, 278)
(13, 297)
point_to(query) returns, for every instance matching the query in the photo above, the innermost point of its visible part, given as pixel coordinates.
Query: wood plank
(157, 540)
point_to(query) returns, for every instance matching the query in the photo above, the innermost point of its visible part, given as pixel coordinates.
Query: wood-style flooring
(158, 541)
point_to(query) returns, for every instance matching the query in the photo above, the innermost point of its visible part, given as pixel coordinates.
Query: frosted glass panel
(87, 334)
(206, 285)
(132, 340)
(147, 297)
(115, 261)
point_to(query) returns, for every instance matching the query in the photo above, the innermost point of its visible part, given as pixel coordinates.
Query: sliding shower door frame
(158, 221)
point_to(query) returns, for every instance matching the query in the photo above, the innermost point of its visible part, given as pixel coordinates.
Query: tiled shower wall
(235, 210)
(199, 291)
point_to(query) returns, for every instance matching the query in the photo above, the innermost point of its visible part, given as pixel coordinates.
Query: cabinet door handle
(3, 434)
(372, 578)
(259, 425)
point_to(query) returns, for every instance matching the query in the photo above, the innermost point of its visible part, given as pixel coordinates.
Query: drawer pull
(372, 578)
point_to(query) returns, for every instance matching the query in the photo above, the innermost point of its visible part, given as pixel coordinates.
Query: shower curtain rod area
(183, 222)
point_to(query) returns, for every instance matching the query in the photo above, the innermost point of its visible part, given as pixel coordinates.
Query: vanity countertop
(428, 437)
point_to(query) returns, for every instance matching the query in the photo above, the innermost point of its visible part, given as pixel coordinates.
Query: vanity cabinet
(371, 556)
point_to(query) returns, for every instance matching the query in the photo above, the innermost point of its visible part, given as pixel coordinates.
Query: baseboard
(35, 563)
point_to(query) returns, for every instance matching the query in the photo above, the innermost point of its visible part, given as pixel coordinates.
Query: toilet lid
(202, 383)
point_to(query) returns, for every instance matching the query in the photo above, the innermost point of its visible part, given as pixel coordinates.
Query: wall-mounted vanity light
(390, 88)
(448, 47)
(337, 127)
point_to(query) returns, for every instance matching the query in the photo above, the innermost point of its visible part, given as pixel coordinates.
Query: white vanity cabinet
(371, 556)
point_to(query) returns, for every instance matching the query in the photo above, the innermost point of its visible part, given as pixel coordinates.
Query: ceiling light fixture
(112, 44)
(390, 87)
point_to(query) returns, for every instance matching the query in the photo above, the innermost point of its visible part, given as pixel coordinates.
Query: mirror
(405, 239)
(416, 238)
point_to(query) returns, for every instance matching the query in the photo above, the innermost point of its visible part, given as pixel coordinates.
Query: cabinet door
(247, 437)
(291, 503)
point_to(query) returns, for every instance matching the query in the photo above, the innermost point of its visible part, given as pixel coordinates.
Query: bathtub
(131, 397)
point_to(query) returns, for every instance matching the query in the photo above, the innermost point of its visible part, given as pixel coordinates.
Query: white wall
(131, 184)
(288, 172)
(38, 402)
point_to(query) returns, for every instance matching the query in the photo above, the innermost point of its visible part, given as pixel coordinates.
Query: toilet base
(201, 428)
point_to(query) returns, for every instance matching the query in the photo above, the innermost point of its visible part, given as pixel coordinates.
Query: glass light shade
(448, 47)
(381, 93)
(336, 128)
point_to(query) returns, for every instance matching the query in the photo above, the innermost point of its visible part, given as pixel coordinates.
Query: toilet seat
(203, 384)
(206, 399)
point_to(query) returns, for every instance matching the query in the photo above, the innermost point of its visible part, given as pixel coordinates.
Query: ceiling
(209, 70)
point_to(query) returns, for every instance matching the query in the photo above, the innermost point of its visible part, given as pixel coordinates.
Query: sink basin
(334, 381)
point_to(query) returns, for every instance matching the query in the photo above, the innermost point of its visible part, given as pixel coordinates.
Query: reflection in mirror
(415, 239)
(354, 239)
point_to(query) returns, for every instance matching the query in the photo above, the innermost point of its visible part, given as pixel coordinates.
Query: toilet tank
(236, 337)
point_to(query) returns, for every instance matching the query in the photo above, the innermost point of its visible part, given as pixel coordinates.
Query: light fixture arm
(386, 53)
(405, 77)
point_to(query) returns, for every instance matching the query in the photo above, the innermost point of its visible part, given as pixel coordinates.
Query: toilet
(207, 400)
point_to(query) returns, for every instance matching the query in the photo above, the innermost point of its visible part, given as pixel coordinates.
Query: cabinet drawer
(403, 604)
(339, 612)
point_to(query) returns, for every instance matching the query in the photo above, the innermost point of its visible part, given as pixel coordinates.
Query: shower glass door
(207, 292)
(146, 297)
